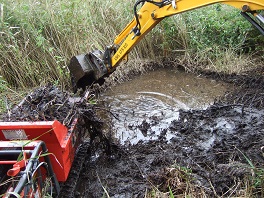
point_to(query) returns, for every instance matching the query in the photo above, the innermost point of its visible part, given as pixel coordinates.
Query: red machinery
(35, 151)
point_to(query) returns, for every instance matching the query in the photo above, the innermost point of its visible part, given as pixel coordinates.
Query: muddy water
(146, 105)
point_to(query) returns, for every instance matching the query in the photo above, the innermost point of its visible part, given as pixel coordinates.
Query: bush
(218, 25)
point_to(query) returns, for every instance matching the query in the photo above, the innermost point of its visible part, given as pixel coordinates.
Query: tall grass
(223, 40)
(38, 38)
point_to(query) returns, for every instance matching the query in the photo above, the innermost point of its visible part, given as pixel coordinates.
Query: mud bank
(217, 151)
(212, 152)
(208, 154)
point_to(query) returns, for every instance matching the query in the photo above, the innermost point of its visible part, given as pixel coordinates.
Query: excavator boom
(92, 67)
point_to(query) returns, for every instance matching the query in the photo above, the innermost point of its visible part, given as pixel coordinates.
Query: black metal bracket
(253, 22)
(24, 175)
(108, 56)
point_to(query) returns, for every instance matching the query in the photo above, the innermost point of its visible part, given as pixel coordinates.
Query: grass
(38, 38)
(180, 183)
(10, 97)
(255, 182)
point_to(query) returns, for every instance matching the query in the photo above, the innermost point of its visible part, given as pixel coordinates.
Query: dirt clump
(45, 103)
(49, 103)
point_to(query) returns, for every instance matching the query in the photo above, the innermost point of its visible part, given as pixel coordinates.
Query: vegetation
(179, 184)
(38, 38)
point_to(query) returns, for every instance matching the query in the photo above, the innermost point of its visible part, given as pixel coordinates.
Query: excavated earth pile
(209, 152)
(47, 103)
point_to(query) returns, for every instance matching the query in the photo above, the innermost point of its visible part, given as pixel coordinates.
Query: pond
(144, 106)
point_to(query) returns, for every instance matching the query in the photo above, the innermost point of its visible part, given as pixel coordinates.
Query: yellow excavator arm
(92, 67)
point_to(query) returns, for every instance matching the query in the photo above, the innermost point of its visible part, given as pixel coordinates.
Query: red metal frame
(30, 170)
(59, 140)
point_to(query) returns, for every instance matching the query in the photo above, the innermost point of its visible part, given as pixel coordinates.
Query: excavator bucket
(87, 69)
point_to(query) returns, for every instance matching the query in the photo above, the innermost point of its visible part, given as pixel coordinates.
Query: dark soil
(213, 146)
(211, 153)
(43, 104)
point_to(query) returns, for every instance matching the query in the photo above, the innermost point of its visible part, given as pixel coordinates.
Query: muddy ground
(213, 152)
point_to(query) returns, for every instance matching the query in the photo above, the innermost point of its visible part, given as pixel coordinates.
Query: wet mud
(213, 144)
(206, 152)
